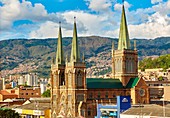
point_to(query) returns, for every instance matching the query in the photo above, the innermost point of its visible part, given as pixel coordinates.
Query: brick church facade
(74, 95)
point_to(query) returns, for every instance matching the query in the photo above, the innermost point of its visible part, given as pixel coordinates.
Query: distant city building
(29, 92)
(3, 80)
(43, 87)
(30, 79)
(155, 74)
(13, 84)
(21, 80)
(1, 84)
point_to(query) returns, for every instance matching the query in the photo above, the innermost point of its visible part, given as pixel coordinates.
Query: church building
(74, 95)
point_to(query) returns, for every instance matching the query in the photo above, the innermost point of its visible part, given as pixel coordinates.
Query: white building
(21, 80)
(31, 79)
(43, 87)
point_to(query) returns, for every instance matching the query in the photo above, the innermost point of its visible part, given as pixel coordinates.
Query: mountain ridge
(17, 52)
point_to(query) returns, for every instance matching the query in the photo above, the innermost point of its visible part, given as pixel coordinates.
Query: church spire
(59, 56)
(75, 54)
(124, 42)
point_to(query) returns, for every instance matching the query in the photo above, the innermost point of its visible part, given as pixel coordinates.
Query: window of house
(91, 95)
(98, 95)
(106, 96)
(114, 95)
(80, 97)
(32, 93)
(89, 112)
(26, 93)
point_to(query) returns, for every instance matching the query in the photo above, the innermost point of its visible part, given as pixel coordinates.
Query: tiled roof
(150, 110)
(35, 106)
(93, 83)
(4, 92)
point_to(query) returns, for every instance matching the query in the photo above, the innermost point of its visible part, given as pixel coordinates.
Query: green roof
(132, 82)
(94, 83)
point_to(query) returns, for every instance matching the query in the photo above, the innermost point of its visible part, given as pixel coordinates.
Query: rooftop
(35, 106)
(4, 92)
(93, 83)
(149, 110)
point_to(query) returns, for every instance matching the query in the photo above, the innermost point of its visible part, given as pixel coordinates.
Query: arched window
(55, 80)
(89, 112)
(62, 79)
(79, 79)
(69, 79)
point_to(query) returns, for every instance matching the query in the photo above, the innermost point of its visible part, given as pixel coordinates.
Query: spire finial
(52, 61)
(113, 45)
(59, 23)
(74, 19)
(83, 57)
(66, 58)
(135, 45)
(113, 48)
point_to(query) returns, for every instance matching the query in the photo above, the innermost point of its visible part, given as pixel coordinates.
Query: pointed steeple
(124, 42)
(75, 54)
(113, 48)
(59, 56)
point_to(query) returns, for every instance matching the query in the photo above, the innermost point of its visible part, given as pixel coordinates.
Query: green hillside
(39, 52)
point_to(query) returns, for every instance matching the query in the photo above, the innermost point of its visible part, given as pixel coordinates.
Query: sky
(40, 18)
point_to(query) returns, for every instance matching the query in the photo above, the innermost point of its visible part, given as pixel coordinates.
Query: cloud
(156, 1)
(87, 24)
(100, 5)
(102, 19)
(118, 6)
(46, 30)
(156, 26)
(13, 10)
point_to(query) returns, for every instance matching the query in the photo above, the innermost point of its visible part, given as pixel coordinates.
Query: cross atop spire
(74, 19)
(75, 54)
(124, 42)
(59, 56)
(123, 2)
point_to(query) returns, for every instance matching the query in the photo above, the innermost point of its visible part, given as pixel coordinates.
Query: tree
(46, 93)
(8, 113)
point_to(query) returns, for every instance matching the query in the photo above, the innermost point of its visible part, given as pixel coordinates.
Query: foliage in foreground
(8, 113)
(160, 62)
(46, 93)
